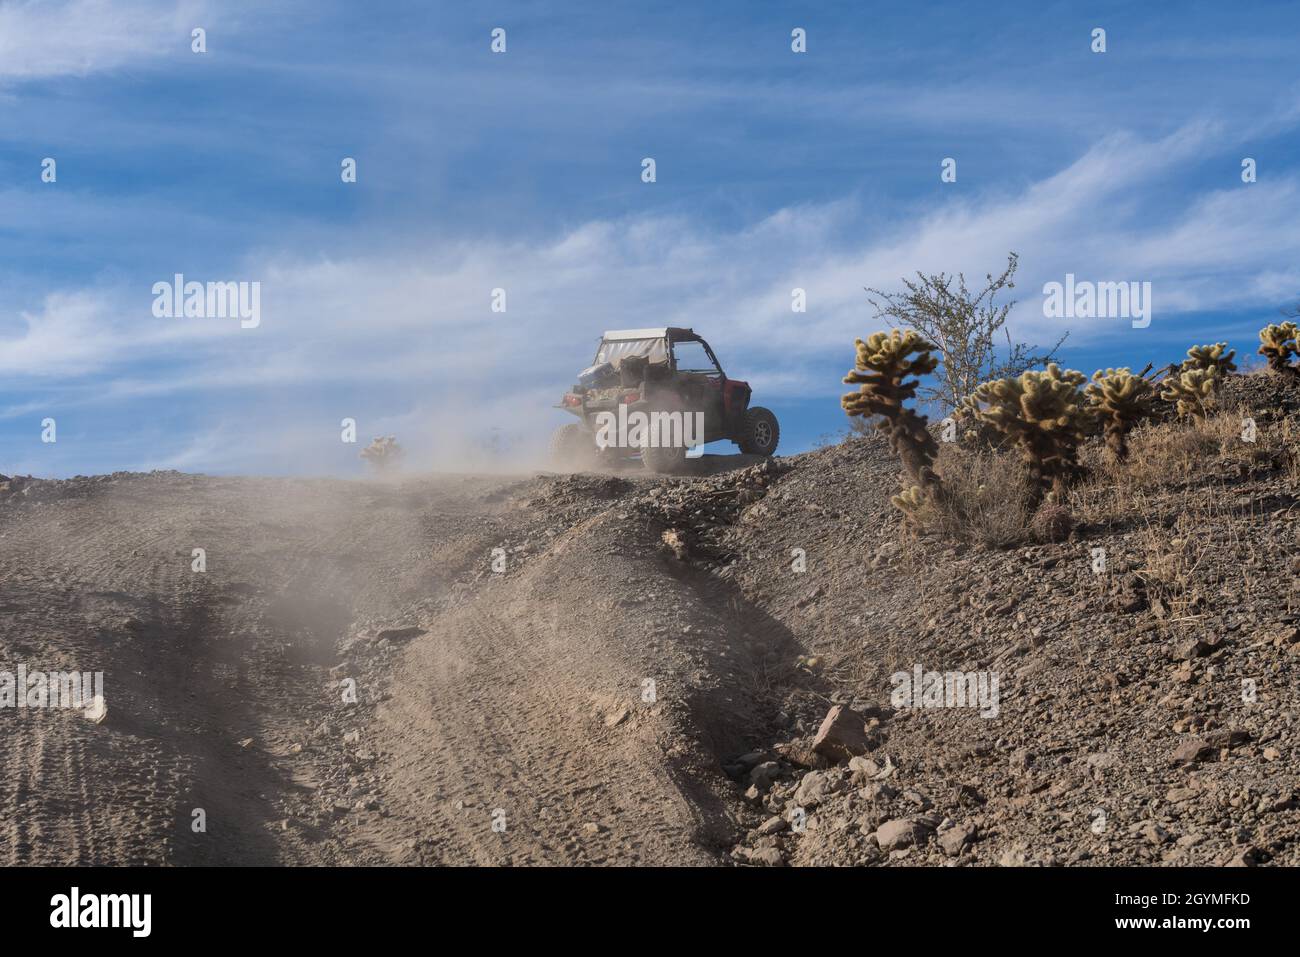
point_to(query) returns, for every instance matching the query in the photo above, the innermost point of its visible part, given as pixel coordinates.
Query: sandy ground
(505, 719)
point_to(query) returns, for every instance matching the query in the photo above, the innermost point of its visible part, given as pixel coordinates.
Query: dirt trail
(517, 728)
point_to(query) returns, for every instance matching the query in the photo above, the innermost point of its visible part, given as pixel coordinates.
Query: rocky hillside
(633, 669)
(1147, 666)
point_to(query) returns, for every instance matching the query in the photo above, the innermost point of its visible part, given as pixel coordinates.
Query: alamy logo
(52, 689)
(952, 689)
(1098, 300)
(214, 300)
(655, 430)
(103, 910)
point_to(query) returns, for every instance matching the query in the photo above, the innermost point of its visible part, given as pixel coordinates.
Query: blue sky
(522, 170)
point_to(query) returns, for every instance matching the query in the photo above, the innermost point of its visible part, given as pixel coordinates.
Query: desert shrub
(1119, 400)
(1043, 415)
(886, 372)
(964, 327)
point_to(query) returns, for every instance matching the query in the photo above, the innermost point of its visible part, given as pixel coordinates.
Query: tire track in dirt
(523, 694)
(527, 698)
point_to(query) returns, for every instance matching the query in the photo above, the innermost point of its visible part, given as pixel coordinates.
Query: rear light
(571, 399)
(630, 397)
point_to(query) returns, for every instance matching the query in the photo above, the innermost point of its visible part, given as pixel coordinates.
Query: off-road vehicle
(652, 394)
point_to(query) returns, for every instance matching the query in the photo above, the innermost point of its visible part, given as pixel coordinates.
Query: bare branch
(964, 326)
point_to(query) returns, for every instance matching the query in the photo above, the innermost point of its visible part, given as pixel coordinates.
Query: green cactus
(1192, 391)
(1211, 357)
(886, 373)
(1119, 400)
(1042, 413)
(1278, 345)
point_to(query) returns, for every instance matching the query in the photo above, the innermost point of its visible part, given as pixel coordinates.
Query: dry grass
(991, 493)
(1198, 459)
(1177, 450)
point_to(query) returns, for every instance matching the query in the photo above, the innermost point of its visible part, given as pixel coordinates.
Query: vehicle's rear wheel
(663, 460)
(759, 433)
(573, 448)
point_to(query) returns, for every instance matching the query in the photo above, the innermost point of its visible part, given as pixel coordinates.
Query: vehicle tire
(759, 433)
(665, 461)
(573, 448)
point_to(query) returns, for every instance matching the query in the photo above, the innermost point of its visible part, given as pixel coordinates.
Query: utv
(652, 394)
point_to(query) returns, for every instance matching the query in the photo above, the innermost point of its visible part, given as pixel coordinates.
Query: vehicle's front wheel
(759, 433)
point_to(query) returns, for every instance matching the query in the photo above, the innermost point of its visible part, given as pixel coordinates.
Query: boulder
(843, 735)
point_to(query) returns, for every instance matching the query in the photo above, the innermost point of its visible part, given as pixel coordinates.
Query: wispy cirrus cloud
(48, 38)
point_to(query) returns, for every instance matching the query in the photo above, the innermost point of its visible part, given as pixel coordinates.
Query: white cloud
(44, 38)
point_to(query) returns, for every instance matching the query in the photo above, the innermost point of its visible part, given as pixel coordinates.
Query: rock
(1243, 857)
(1272, 754)
(864, 766)
(773, 825)
(842, 735)
(766, 857)
(1191, 751)
(1226, 738)
(885, 554)
(764, 774)
(1197, 648)
(1020, 760)
(956, 838)
(877, 791)
(1155, 834)
(801, 755)
(815, 788)
(903, 832)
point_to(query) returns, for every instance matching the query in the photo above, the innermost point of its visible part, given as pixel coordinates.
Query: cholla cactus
(914, 502)
(383, 453)
(1211, 357)
(1119, 400)
(1042, 413)
(886, 372)
(1193, 391)
(1278, 345)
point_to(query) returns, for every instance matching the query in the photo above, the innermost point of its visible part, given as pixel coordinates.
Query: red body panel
(735, 397)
